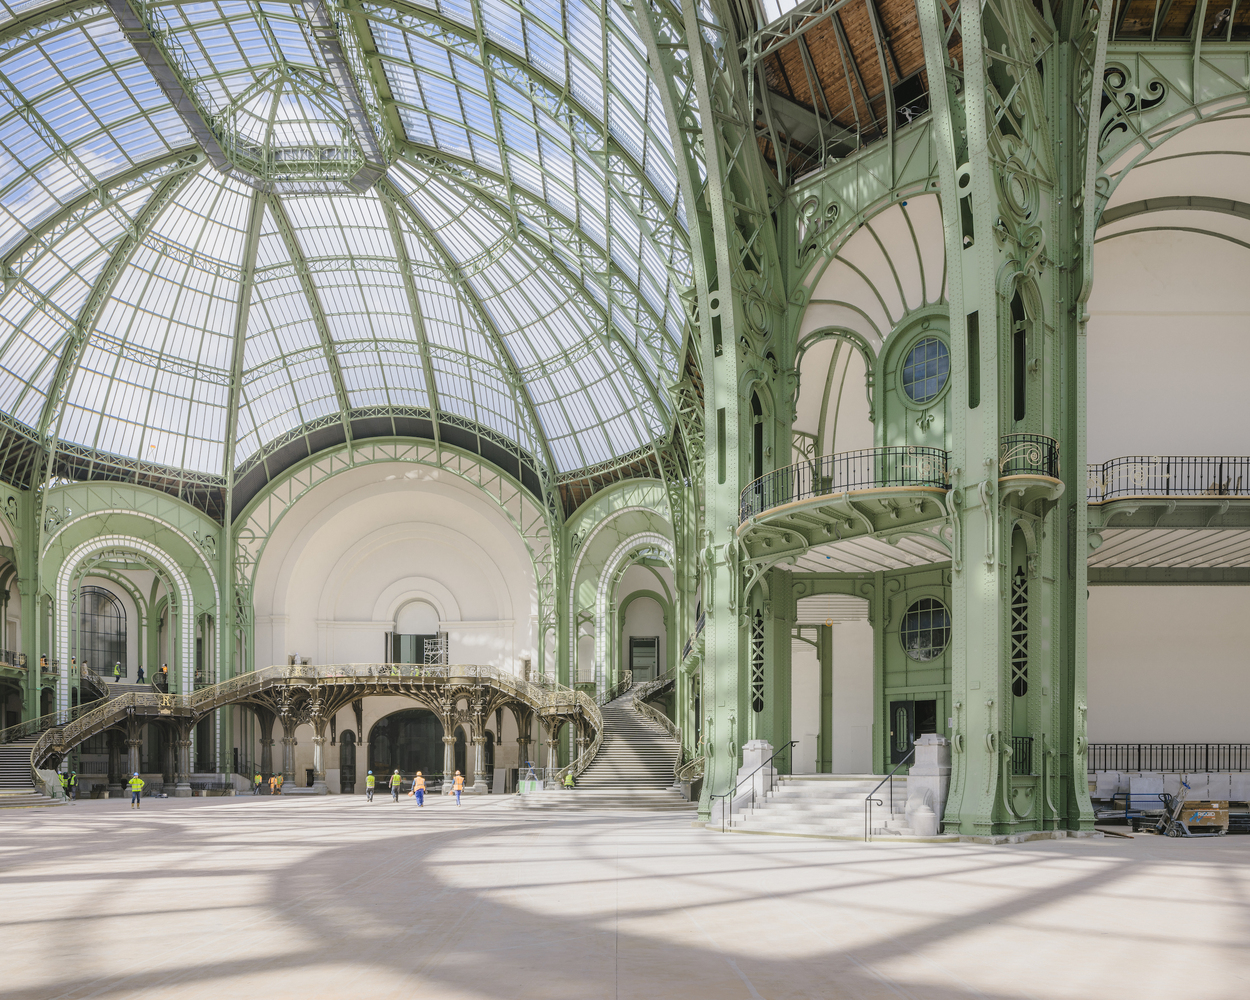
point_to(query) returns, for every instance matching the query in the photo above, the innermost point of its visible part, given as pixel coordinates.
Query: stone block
(929, 780)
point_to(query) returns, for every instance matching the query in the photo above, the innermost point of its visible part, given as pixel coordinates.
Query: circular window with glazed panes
(926, 370)
(926, 629)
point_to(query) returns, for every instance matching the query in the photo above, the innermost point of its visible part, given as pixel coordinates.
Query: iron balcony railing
(1028, 455)
(1169, 476)
(1185, 758)
(872, 468)
(1022, 755)
(12, 658)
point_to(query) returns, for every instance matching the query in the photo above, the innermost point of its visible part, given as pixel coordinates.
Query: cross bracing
(530, 278)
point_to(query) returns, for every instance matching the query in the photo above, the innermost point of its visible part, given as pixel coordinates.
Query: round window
(926, 629)
(926, 370)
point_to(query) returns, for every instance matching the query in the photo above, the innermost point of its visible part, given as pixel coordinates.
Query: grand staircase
(632, 770)
(827, 805)
(16, 787)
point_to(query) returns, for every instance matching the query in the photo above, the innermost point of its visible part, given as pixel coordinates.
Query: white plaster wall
(358, 548)
(1168, 665)
(645, 617)
(852, 698)
(805, 705)
(847, 427)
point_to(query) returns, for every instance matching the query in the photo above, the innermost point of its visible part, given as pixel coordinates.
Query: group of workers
(418, 786)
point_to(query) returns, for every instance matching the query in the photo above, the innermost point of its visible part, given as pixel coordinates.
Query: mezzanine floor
(329, 897)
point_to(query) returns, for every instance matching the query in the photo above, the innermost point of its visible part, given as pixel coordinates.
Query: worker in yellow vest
(457, 786)
(370, 782)
(418, 789)
(396, 781)
(136, 789)
(281, 781)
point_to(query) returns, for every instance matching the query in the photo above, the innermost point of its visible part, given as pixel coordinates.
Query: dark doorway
(488, 752)
(347, 763)
(460, 752)
(411, 740)
(909, 719)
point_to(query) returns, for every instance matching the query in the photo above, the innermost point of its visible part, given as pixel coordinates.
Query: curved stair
(635, 754)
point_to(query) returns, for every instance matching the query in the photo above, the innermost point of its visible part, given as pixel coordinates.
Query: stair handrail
(734, 791)
(60, 729)
(617, 689)
(583, 760)
(868, 802)
(688, 770)
(33, 727)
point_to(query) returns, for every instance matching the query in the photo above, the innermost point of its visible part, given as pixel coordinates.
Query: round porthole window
(926, 370)
(926, 630)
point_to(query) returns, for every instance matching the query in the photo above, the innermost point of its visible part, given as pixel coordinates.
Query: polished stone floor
(309, 898)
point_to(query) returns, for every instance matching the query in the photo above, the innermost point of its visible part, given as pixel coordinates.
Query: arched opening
(347, 763)
(100, 638)
(410, 740)
(489, 755)
(460, 752)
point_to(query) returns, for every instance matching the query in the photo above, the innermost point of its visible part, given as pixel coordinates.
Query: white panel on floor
(852, 698)
(1168, 665)
(804, 705)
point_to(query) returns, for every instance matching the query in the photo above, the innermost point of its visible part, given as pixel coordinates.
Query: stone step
(25, 800)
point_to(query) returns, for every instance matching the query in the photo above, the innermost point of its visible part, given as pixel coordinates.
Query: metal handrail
(33, 727)
(871, 468)
(870, 799)
(617, 689)
(1028, 455)
(1168, 476)
(690, 769)
(69, 729)
(737, 784)
(1186, 758)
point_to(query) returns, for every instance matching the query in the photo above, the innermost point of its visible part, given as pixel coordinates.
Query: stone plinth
(929, 779)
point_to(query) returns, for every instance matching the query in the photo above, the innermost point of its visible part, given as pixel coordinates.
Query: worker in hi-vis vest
(370, 782)
(396, 781)
(457, 786)
(418, 789)
(136, 789)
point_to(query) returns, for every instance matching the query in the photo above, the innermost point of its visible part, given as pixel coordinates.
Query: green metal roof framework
(233, 222)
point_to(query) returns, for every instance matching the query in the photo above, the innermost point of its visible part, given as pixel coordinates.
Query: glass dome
(236, 221)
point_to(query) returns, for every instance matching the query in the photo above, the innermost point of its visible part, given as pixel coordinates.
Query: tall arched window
(101, 638)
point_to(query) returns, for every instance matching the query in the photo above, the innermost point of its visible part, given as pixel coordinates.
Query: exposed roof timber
(1222, 206)
(170, 80)
(325, 31)
(786, 29)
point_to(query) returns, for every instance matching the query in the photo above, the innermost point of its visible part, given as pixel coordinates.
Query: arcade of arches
(846, 373)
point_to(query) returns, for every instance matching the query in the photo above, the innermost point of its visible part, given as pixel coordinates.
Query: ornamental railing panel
(1169, 476)
(1028, 455)
(851, 471)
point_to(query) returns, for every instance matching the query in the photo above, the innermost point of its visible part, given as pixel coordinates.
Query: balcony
(1028, 455)
(850, 472)
(1169, 476)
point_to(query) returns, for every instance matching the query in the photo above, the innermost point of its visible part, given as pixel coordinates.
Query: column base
(182, 790)
(319, 787)
(478, 788)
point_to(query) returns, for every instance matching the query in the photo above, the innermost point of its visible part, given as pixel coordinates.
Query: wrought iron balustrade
(871, 468)
(1028, 455)
(1169, 476)
(1185, 758)
(1022, 755)
(12, 658)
